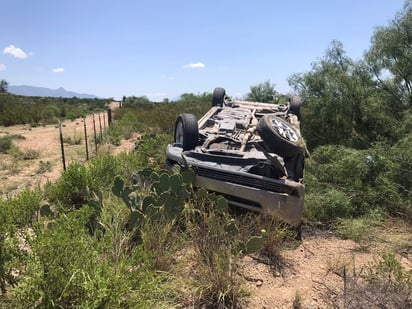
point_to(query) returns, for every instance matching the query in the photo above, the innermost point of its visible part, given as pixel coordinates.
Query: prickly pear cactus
(168, 193)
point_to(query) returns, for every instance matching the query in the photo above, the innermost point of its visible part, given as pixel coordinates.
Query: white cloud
(2, 67)
(58, 70)
(15, 52)
(194, 65)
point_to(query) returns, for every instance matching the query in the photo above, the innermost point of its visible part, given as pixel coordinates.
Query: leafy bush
(67, 267)
(102, 170)
(24, 207)
(6, 143)
(327, 206)
(343, 182)
(73, 187)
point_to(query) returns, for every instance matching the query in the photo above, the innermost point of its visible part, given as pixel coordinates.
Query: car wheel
(186, 131)
(218, 98)
(295, 103)
(279, 136)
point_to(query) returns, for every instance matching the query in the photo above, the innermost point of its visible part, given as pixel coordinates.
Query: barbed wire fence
(99, 127)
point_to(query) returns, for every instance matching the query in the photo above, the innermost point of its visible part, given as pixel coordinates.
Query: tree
(341, 103)
(262, 92)
(390, 60)
(3, 86)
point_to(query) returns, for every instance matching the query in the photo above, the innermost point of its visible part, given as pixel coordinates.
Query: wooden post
(85, 139)
(109, 116)
(95, 136)
(100, 125)
(62, 146)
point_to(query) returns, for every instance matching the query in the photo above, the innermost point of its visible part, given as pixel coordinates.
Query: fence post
(85, 139)
(100, 125)
(109, 116)
(95, 137)
(62, 146)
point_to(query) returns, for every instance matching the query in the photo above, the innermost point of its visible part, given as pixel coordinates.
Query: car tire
(295, 102)
(218, 98)
(279, 136)
(186, 131)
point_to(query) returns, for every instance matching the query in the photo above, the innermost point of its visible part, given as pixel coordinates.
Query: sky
(161, 49)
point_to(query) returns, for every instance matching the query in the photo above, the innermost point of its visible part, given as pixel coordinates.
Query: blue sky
(162, 48)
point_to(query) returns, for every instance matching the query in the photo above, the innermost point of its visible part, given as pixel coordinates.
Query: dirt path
(17, 174)
(312, 274)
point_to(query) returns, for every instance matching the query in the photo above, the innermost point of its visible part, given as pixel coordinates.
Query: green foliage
(25, 154)
(326, 207)
(73, 187)
(16, 214)
(343, 182)
(67, 267)
(155, 118)
(262, 92)
(390, 53)
(6, 143)
(217, 251)
(44, 110)
(150, 150)
(24, 207)
(359, 229)
(102, 170)
(340, 102)
(8, 246)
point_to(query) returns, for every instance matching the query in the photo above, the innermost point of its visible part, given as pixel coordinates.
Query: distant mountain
(47, 92)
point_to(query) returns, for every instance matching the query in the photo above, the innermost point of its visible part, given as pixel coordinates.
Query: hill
(47, 92)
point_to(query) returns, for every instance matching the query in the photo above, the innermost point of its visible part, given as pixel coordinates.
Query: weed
(76, 139)
(6, 143)
(44, 166)
(216, 253)
(297, 301)
(382, 284)
(26, 154)
(359, 229)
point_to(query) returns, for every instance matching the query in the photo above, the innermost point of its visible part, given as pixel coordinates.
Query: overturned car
(252, 153)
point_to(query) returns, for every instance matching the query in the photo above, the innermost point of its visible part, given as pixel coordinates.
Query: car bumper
(283, 197)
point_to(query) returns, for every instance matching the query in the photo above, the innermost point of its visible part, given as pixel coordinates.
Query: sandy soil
(16, 175)
(310, 274)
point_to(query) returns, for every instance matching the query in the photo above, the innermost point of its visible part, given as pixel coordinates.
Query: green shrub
(9, 249)
(102, 170)
(360, 229)
(327, 206)
(73, 187)
(24, 207)
(6, 143)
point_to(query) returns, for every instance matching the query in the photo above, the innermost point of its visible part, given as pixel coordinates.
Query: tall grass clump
(217, 281)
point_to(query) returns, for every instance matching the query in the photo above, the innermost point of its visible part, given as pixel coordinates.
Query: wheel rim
(179, 133)
(285, 131)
